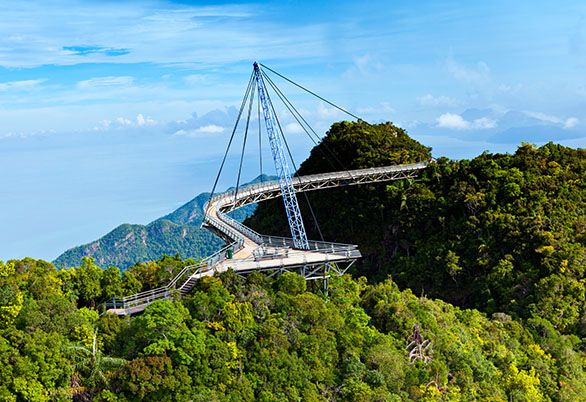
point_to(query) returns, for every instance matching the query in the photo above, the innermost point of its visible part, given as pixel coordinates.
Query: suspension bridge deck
(248, 251)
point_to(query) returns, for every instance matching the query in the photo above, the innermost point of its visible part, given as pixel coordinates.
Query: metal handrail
(273, 240)
(208, 262)
(354, 174)
(282, 260)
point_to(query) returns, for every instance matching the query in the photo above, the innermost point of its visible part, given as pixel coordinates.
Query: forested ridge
(501, 237)
(500, 232)
(179, 232)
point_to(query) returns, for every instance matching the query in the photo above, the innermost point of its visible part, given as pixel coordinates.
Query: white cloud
(124, 122)
(211, 122)
(546, 118)
(203, 130)
(435, 101)
(20, 85)
(22, 134)
(210, 129)
(452, 120)
(457, 122)
(110, 81)
(483, 123)
(476, 74)
(148, 32)
(567, 123)
(139, 121)
(571, 122)
(144, 121)
(185, 133)
(293, 128)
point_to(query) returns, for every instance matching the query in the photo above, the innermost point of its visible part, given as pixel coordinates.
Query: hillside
(500, 232)
(267, 339)
(501, 236)
(179, 233)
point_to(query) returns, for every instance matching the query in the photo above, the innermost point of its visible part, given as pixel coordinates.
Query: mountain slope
(179, 232)
(128, 244)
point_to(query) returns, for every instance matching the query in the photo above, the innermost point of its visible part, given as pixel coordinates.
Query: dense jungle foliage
(500, 232)
(266, 339)
(501, 237)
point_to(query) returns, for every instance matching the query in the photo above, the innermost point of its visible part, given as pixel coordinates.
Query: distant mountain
(179, 232)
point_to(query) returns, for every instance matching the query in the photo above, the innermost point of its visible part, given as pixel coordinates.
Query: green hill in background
(179, 233)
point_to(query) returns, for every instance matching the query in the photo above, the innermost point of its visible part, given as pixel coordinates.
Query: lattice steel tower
(283, 172)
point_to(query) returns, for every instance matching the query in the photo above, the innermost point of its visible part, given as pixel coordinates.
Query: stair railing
(171, 289)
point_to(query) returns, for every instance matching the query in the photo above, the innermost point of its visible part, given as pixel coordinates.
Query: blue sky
(118, 112)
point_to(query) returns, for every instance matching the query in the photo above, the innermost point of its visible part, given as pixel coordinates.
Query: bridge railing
(226, 227)
(314, 245)
(284, 258)
(236, 230)
(284, 242)
(239, 233)
(358, 173)
(172, 288)
(247, 191)
(245, 230)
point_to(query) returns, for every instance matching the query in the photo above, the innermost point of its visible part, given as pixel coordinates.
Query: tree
(111, 283)
(93, 366)
(11, 299)
(89, 276)
(291, 283)
(153, 378)
(162, 330)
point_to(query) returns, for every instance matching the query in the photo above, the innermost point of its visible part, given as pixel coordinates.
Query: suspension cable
(292, 109)
(251, 98)
(297, 115)
(259, 139)
(313, 216)
(312, 93)
(294, 165)
(307, 128)
(302, 122)
(250, 83)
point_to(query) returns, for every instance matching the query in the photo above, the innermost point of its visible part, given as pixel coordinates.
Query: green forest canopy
(269, 340)
(500, 232)
(501, 236)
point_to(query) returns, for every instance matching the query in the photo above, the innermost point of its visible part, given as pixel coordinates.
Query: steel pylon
(283, 172)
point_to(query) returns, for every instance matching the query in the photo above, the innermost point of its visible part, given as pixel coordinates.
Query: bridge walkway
(248, 251)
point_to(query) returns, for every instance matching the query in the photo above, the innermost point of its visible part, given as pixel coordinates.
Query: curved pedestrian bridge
(248, 251)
